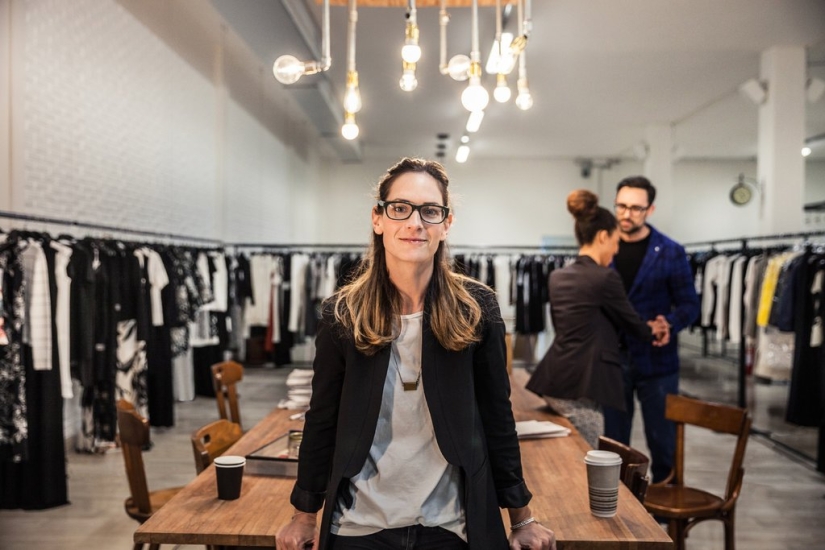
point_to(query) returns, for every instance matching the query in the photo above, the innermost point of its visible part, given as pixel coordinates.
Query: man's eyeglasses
(401, 210)
(634, 209)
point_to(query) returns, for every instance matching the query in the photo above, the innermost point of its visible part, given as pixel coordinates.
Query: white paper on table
(530, 429)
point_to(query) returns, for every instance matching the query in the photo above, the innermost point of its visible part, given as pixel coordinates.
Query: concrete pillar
(658, 168)
(780, 166)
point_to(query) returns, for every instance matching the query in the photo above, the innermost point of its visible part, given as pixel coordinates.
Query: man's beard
(633, 229)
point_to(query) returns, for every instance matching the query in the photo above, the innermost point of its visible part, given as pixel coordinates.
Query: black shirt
(629, 259)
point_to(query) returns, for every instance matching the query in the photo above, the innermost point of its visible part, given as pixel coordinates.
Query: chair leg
(676, 531)
(154, 547)
(730, 543)
(138, 546)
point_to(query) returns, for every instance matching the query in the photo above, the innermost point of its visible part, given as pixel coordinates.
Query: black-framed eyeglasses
(634, 209)
(402, 210)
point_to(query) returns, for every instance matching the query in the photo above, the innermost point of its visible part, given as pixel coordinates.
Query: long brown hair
(368, 304)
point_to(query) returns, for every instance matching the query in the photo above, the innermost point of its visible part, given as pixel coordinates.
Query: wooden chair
(213, 440)
(134, 435)
(683, 506)
(225, 376)
(634, 466)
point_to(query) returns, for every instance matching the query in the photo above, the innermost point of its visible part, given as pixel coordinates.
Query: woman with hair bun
(581, 372)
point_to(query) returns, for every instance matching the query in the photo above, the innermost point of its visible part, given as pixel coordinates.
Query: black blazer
(589, 306)
(468, 394)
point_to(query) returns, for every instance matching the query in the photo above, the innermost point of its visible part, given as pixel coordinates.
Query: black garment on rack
(39, 482)
(805, 398)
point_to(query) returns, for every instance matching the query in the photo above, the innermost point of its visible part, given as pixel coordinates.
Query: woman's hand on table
(533, 536)
(298, 534)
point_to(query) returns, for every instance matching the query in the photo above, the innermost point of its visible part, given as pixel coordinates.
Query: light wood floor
(782, 506)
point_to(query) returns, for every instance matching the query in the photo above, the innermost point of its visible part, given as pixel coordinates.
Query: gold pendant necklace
(408, 386)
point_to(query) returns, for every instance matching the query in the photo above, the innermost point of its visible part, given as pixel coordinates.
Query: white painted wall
(522, 203)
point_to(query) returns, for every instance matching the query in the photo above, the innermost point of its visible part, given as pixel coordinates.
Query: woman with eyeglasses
(581, 372)
(409, 441)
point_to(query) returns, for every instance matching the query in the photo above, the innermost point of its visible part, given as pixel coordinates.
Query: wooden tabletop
(553, 468)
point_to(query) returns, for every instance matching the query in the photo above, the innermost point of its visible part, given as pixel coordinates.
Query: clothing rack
(743, 241)
(538, 249)
(742, 374)
(102, 227)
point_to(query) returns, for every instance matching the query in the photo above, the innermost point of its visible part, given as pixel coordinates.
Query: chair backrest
(213, 440)
(634, 465)
(225, 376)
(134, 435)
(712, 416)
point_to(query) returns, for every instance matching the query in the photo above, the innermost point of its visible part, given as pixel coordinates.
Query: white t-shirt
(405, 479)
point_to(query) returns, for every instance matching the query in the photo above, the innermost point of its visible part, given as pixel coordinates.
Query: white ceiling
(600, 72)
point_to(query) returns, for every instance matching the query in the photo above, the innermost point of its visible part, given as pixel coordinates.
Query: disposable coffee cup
(603, 469)
(229, 472)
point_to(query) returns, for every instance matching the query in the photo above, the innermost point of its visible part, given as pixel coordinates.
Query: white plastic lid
(607, 458)
(229, 461)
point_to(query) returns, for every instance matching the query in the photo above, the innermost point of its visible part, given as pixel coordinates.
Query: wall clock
(741, 193)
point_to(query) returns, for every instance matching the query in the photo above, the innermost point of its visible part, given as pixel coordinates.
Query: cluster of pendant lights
(506, 52)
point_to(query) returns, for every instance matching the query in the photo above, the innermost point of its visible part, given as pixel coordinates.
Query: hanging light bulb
(408, 81)
(459, 67)
(350, 129)
(411, 51)
(524, 99)
(502, 91)
(288, 69)
(475, 97)
(352, 97)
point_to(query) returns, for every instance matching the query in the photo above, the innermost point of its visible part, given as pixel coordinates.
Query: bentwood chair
(634, 466)
(134, 436)
(213, 440)
(684, 506)
(225, 377)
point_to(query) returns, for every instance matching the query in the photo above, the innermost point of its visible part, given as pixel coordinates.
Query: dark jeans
(415, 537)
(659, 432)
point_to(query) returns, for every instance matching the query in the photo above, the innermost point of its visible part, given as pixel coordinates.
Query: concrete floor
(781, 506)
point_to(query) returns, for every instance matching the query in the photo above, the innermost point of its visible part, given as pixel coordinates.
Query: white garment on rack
(256, 314)
(276, 280)
(297, 306)
(753, 287)
(183, 371)
(737, 298)
(714, 289)
(503, 266)
(220, 283)
(37, 329)
(158, 279)
(62, 316)
(722, 308)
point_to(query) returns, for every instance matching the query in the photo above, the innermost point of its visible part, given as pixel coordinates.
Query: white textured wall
(113, 128)
(113, 123)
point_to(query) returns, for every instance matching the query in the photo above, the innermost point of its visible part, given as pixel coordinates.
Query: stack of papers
(299, 389)
(532, 429)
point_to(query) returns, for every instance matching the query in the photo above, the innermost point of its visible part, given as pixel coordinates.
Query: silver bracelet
(522, 523)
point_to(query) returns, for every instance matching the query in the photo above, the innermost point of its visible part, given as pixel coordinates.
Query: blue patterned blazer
(664, 285)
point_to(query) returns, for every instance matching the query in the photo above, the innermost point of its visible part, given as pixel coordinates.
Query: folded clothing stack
(299, 389)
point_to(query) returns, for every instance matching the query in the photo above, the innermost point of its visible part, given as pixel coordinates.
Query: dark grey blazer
(589, 306)
(468, 394)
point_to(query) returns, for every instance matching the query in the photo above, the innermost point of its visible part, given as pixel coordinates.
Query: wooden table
(553, 468)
